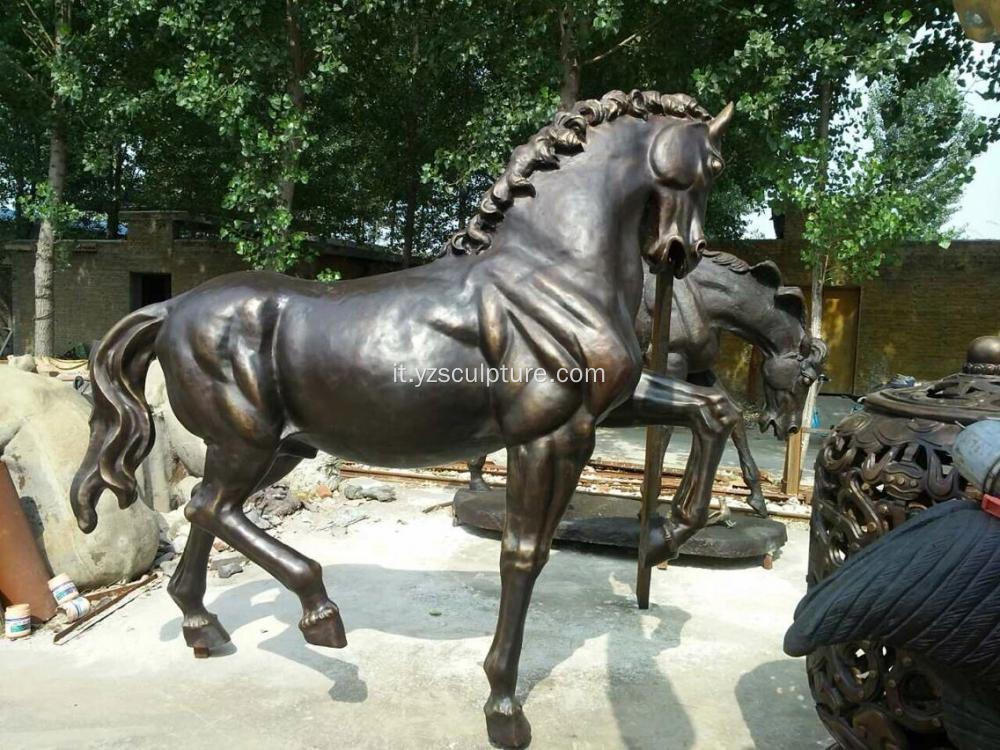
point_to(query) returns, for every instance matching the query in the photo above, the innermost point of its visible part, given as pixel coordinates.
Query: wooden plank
(653, 469)
(793, 465)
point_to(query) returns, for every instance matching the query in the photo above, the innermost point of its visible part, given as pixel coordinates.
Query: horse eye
(716, 165)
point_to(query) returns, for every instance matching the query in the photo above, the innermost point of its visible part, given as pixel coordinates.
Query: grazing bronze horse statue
(267, 369)
(728, 294)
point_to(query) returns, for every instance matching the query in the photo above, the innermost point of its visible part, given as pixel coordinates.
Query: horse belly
(374, 398)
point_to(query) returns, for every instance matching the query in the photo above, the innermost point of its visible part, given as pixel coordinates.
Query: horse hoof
(759, 506)
(323, 627)
(506, 724)
(662, 546)
(202, 632)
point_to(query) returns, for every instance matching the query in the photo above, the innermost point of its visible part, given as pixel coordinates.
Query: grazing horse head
(787, 379)
(685, 163)
(751, 301)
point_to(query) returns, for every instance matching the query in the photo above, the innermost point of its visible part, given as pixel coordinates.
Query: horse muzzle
(781, 428)
(673, 254)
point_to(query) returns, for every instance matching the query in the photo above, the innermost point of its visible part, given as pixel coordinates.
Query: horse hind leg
(202, 630)
(231, 475)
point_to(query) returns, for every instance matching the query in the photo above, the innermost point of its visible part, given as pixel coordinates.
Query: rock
(253, 516)
(182, 446)
(220, 546)
(24, 362)
(323, 490)
(166, 556)
(275, 502)
(305, 478)
(173, 524)
(362, 488)
(225, 570)
(43, 436)
(180, 491)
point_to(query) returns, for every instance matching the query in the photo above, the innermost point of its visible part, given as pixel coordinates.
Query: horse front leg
(710, 416)
(748, 467)
(541, 478)
(751, 474)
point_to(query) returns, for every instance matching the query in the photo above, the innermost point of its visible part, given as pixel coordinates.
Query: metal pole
(653, 470)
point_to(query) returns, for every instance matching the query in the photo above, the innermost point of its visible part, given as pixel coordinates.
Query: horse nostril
(793, 429)
(675, 252)
(700, 247)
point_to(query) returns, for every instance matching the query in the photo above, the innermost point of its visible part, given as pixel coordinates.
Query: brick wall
(916, 318)
(92, 284)
(92, 290)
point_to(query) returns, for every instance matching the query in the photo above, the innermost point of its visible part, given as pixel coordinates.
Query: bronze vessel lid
(963, 397)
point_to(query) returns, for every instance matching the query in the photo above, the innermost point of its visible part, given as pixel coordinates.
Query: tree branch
(41, 26)
(615, 48)
(24, 71)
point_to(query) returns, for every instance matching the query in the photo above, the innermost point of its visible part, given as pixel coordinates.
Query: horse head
(685, 158)
(787, 379)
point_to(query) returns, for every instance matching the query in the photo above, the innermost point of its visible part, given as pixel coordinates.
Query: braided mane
(767, 273)
(565, 135)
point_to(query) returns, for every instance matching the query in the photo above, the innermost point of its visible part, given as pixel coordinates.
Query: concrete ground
(702, 669)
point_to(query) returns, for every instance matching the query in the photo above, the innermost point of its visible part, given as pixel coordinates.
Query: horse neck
(735, 306)
(574, 222)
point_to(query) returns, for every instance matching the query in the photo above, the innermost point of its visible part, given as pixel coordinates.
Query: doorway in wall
(148, 288)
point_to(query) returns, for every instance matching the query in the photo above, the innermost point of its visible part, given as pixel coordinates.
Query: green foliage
(385, 119)
(905, 187)
(42, 205)
(858, 208)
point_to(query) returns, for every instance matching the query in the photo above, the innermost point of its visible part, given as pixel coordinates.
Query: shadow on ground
(774, 696)
(441, 605)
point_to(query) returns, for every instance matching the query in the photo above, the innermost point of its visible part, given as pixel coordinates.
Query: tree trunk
(297, 71)
(22, 226)
(413, 182)
(410, 220)
(115, 204)
(823, 137)
(45, 249)
(569, 88)
(820, 264)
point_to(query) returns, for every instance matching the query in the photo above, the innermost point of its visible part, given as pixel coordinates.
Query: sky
(978, 214)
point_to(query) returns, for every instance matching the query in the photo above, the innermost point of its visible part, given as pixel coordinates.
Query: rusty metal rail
(600, 476)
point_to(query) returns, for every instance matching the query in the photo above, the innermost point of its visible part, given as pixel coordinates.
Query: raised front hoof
(323, 627)
(506, 724)
(759, 506)
(203, 634)
(663, 546)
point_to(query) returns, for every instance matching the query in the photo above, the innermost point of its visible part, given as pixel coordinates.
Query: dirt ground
(702, 669)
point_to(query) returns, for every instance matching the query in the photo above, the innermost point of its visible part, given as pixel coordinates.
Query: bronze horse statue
(725, 293)
(547, 276)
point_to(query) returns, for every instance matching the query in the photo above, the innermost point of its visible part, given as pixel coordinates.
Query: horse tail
(121, 424)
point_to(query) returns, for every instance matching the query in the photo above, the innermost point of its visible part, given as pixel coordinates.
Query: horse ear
(717, 127)
(767, 273)
(792, 299)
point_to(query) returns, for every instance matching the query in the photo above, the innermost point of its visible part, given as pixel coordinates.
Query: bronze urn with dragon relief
(879, 467)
